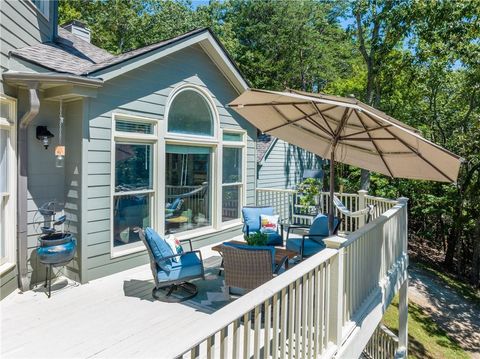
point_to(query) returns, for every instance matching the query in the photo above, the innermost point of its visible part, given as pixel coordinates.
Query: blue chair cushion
(187, 259)
(274, 238)
(160, 249)
(188, 266)
(251, 216)
(310, 247)
(254, 248)
(319, 226)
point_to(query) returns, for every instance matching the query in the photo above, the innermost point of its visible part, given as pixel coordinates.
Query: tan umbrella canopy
(349, 131)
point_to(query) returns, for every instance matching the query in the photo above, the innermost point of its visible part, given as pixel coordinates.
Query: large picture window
(134, 191)
(187, 188)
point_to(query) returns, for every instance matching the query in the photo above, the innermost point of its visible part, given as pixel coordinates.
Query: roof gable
(140, 57)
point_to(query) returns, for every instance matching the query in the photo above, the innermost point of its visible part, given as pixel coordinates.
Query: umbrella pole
(332, 191)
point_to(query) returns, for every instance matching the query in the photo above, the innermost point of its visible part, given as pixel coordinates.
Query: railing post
(402, 322)
(402, 351)
(361, 205)
(336, 289)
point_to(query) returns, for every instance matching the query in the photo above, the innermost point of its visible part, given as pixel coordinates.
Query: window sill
(232, 224)
(4, 268)
(124, 252)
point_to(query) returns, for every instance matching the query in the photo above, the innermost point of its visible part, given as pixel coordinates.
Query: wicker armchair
(249, 267)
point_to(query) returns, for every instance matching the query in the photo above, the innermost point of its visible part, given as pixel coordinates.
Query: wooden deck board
(112, 317)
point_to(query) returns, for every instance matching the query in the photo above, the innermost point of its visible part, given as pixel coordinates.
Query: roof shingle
(71, 54)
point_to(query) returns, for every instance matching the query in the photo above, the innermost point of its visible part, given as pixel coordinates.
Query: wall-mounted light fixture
(44, 135)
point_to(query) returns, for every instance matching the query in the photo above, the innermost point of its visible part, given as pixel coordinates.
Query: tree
(381, 26)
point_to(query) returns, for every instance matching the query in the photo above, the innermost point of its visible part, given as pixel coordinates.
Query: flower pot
(56, 248)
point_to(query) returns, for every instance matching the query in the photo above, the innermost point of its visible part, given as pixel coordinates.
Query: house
(282, 165)
(135, 110)
(146, 138)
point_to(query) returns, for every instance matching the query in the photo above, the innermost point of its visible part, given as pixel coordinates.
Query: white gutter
(22, 188)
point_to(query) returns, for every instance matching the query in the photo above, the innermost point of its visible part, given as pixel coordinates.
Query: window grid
(133, 202)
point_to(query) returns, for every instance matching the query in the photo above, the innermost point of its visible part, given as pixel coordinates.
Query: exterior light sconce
(44, 135)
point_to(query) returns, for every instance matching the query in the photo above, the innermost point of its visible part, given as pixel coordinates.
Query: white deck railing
(313, 309)
(287, 204)
(382, 345)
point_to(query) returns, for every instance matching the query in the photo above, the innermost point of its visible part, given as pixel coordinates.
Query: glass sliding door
(187, 188)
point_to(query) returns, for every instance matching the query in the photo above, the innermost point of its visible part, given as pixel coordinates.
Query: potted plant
(256, 239)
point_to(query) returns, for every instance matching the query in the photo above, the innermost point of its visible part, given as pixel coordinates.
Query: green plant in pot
(256, 239)
(309, 191)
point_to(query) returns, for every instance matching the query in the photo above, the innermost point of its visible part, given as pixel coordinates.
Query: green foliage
(309, 189)
(256, 239)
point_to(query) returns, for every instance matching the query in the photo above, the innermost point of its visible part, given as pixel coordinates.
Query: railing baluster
(256, 332)
(283, 325)
(297, 317)
(310, 309)
(246, 335)
(236, 341)
(211, 347)
(290, 320)
(224, 343)
(275, 324)
(266, 326)
(304, 315)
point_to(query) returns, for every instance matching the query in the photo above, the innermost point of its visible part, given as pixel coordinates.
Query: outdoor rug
(211, 291)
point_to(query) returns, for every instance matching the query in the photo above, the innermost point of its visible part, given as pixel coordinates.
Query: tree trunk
(476, 254)
(365, 180)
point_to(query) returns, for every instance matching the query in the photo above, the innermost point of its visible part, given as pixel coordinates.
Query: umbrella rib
(411, 148)
(365, 131)
(349, 126)
(286, 119)
(270, 104)
(368, 139)
(375, 145)
(322, 117)
(313, 122)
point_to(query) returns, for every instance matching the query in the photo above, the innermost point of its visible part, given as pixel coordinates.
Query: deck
(329, 305)
(110, 317)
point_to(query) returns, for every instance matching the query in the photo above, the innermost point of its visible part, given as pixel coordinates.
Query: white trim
(243, 184)
(11, 196)
(133, 138)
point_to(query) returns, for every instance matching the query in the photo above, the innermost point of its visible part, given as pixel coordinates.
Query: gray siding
(144, 92)
(73, 181)
(283, 166)
(8, 282)
(21, 25)
(45, 181)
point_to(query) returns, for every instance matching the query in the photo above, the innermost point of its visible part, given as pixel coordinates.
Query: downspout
(22, 189)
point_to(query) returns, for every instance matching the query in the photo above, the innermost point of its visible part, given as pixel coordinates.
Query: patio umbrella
(348, 131)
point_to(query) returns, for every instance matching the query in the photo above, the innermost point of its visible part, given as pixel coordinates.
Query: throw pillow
(175, 245)
(268, 223)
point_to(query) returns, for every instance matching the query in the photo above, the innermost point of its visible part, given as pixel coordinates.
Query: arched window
(190, 113)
